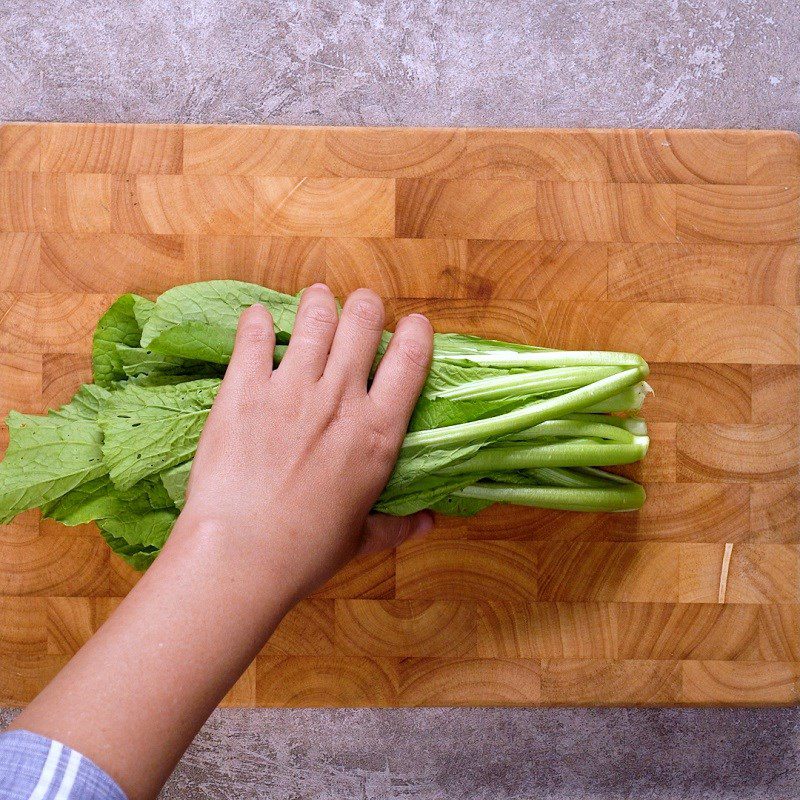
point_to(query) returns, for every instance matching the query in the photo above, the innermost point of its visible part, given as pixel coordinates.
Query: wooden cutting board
(683, 246)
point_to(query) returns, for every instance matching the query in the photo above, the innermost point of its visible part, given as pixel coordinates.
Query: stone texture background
(663, 63)
(701, 63)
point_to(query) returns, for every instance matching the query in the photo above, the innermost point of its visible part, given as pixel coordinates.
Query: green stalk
(524, 417)
(631, 399)
(531, 383)
(570, 477)
(540, 359)
(634, 425)
(629, 497)
(572, 453)
(575, 428)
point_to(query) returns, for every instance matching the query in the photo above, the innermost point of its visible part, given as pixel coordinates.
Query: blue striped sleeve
(33, 767)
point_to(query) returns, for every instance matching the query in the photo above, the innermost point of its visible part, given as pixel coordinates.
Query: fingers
(403, 369)
(314, 329)
(357, 338)
(254, 347)
(383, 532)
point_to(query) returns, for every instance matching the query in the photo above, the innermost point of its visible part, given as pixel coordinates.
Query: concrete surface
(435, 62)
(492, 754)
(701, 63)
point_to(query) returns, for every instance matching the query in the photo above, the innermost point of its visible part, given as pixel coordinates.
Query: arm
(288, 466)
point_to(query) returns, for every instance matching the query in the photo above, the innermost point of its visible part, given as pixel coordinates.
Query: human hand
(289, 464)
(292, 459)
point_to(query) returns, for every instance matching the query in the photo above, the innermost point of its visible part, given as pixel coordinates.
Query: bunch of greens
(496, 422)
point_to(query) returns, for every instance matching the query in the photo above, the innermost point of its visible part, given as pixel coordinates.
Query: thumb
(383, 532)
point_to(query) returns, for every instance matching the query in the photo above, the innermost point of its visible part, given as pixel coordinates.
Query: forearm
(134, 697)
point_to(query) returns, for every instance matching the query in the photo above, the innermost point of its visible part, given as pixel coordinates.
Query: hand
(289, 464)
(292, 459)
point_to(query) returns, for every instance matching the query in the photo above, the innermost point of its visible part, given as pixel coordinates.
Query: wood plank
(324, 206)
(526, 270)
(282, 263)
(674, 512)
(743, 683)
(463, 682)
(745, 214)
(683, 246)
(55, 566)
(21, 388)
(432, 208)
(370, 576)
(701, 393)
(50, 322)
(608, 571)
(775, 511)
(20, 147)
(659, 156)
(548, 155)
(547, 630)
(737, 452)
(688, 631)
(19, 254)
(403, 628)
(392, 152)
(396, 267)
(773, 157)
(606, 212)
(666, 332)
(141, 263)
(183, 204)
(307, 630)
(23, 622)
(310, 681)
(610, 683)
(776, 392)
(112, 149)
(470, 570)
(253, 150)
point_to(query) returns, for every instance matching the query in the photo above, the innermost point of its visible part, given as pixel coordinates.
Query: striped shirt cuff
(33, 767)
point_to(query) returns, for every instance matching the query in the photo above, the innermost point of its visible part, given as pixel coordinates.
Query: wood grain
(683, 246)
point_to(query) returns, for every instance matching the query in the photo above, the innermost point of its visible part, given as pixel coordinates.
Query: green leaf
(198, 320)
(139, 557)
(149, 429)
(117, 326)
(138, 361)
(175, 481)
(456, 506)
(99, 499)
(46, 458)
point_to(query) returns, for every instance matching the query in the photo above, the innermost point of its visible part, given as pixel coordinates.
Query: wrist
(239, 567)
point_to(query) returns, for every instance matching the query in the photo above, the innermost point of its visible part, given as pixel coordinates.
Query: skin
(290, 462)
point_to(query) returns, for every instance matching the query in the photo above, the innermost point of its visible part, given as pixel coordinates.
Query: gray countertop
(651, 63)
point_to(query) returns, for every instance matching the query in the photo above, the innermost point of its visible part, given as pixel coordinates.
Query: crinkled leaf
(198, 320)
(46, 458)
(149, 429)
(175, 481)
(117, 326)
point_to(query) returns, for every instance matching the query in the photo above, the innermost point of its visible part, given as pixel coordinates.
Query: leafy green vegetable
(149, 429)
(496, 422)
(118, 326)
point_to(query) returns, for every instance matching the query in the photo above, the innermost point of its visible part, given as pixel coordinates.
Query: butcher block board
(683, 246)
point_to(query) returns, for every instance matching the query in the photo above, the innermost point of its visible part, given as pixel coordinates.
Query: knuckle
(256, 332)
(383, 441)
(367, 309)
(413, 351)
(322, 314)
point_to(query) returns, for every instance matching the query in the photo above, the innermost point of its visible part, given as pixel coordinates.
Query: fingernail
(418, 316)
(318, 286)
